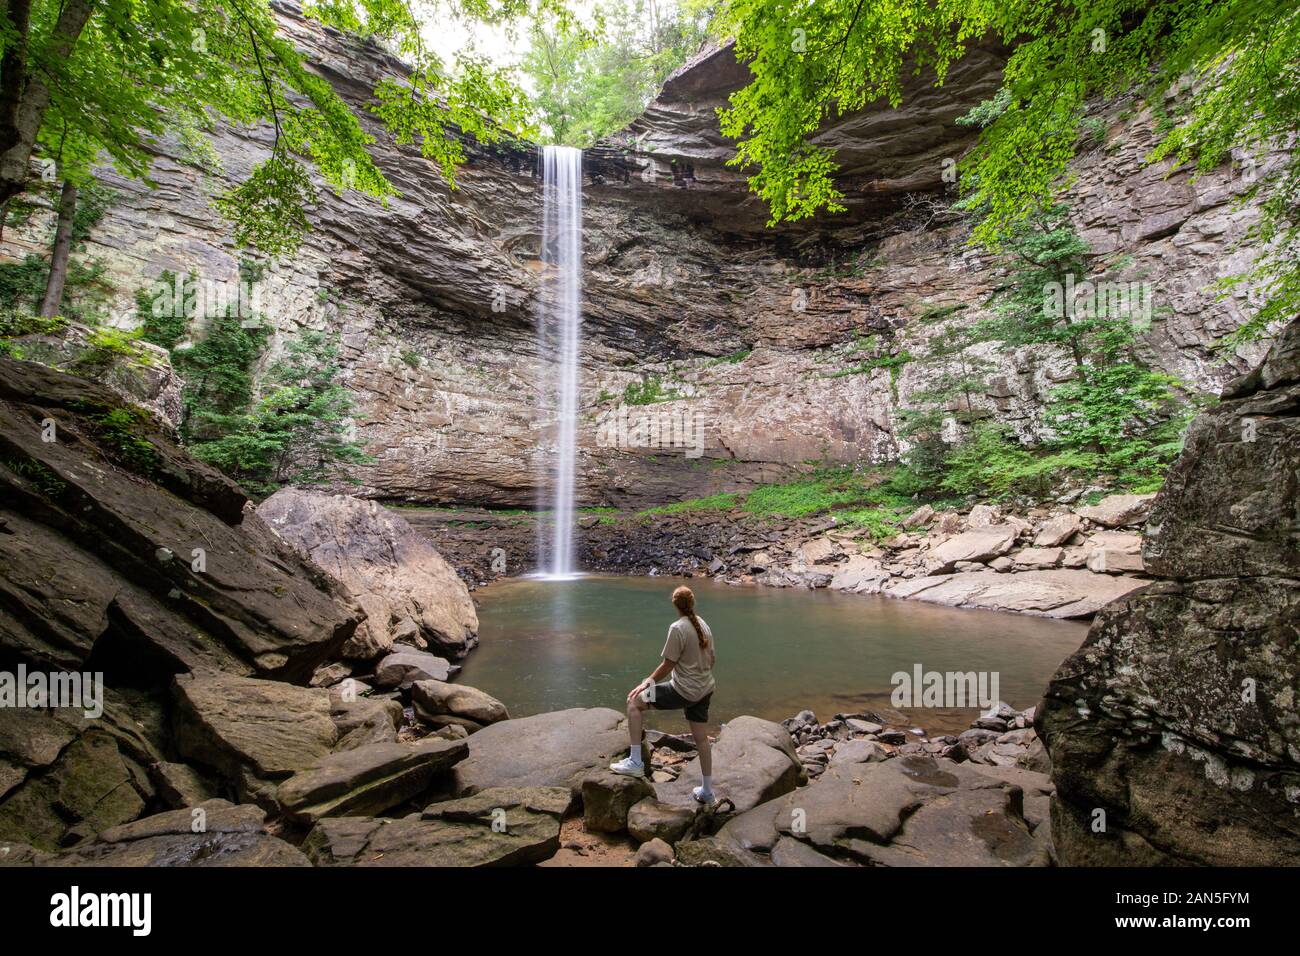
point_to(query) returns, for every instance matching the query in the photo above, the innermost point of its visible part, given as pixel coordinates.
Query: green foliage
(108, 344)
(827, 489)
(15, 322)
(592, 82)
(42, 478)
(1115, 420)
(163, 322)
(118, 428)
(140, 71)
(296, 431)
(1237, 60)
(647, 392)
(218, 375)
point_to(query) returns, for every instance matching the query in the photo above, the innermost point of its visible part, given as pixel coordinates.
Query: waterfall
(558, 326)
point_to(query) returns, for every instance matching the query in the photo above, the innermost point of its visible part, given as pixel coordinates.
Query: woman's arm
(659, 673)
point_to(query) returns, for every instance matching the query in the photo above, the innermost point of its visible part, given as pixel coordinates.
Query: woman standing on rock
(688, 656)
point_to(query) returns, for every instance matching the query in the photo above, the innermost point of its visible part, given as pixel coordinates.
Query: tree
(296, 431)
(115, 76)
(592, 82)
(813, 61)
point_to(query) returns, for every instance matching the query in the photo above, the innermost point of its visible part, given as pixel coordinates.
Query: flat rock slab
(367, 780)
(500, 826)
(753, 761)
(555, 749)
(1059, 593)
(230, 835)
(1118, 511)
(238, 724)
(909, 811)
(978, 544)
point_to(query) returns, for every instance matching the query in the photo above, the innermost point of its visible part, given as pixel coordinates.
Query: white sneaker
(701, 796)
(628, 768)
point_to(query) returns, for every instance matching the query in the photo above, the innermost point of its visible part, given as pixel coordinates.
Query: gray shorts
(665, 697)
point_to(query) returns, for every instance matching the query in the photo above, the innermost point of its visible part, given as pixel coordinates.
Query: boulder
(248, 728)
(908, 811)
(1177, 717)
(436, 698)
(651, 820)
(555, 749)
(394, 573)
(918, 518)
(1118, 511)
(859, 574)
(1110, 561)
(653, 853)
(1037, 557)
(820, 551)
(118, 542)
(858, 751)
(65, 775)
(982, 516)
(607, 797)
(366, 780)
(753, 761)
(499, 826)
(1057, 531)
(405, 666)
(215, 833)
(978, 544)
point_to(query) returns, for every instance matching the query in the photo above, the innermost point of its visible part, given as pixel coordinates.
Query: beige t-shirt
(693, 675)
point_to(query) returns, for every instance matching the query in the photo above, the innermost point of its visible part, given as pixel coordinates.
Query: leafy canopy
(142, 69)
(813, 60)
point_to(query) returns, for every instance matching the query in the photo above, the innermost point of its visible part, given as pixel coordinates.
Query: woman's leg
(701, 734)
(635, 718)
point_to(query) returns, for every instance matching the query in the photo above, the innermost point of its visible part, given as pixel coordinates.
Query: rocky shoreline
(1060, 562)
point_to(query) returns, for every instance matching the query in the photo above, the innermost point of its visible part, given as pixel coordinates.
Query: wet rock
(858, 751)
(607, 797)
(128, 548)
(403, 584)
(500, 826)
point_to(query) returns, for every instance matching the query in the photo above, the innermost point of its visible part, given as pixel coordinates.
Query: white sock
(706, 783)
(634, 755)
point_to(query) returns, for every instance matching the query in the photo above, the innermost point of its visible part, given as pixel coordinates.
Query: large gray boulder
(1174, 732)
(753, 762)
(401, 581)
(1057, 592)
(607, 797)
(978, 544)
(908, 811)
(254, 732)
(555, 749)
(501, 826)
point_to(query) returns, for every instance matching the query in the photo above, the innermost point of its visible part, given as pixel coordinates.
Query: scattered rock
(1118, 511)
(654, 852)
(405, 666)
(607, 797)
(437, 698)
(650, 819)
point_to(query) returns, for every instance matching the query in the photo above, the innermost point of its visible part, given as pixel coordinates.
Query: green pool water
(548, 645)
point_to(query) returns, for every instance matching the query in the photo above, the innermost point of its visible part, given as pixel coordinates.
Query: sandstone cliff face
(1176, 722)
(759, 333)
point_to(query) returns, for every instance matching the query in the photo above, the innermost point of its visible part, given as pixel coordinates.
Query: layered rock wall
(779, 346)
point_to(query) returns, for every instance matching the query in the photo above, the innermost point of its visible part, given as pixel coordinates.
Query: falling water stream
(559, 324)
